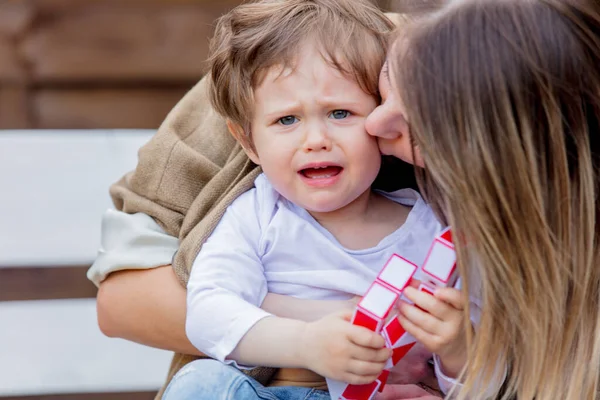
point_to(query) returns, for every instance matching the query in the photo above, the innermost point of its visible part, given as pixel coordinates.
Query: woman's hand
(334, 348)
(414, 367)
(438, 322)
(406, 392)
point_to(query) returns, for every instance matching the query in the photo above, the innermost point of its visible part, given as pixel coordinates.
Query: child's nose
(317, 139)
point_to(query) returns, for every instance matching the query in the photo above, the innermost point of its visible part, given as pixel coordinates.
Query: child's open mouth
(321, 172)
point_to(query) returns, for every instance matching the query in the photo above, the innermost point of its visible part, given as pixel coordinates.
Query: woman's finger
(405, 392)
(417, 331)
(451, 296)
(427, 302)
(420, 318)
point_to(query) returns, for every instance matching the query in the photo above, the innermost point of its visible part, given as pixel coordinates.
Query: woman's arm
(149, 307)
(146, 307)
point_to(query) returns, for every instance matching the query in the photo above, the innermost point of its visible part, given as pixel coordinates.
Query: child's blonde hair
(351, 34)
(503, 99)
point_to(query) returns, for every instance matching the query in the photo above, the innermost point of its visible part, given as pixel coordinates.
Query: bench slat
(55, 190)
(45, 283)
(55, 346)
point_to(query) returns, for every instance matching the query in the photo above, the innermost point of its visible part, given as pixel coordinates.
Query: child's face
(308, 129)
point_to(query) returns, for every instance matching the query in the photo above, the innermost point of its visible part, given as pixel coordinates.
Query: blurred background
(83, 84)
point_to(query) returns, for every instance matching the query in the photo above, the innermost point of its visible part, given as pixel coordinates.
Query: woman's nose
(376, 123)
(385, 123)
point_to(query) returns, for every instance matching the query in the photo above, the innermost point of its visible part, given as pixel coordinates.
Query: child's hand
(438, 324)
(336, 349)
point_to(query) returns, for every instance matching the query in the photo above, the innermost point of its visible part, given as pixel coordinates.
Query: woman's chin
(400, 149)
(391, 147)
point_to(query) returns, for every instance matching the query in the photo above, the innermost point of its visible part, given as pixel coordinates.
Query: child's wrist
(304, 343)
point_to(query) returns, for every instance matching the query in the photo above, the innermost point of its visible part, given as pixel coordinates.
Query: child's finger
(354, 379)
(372, 355)
(365, 368)
(420, 318)
(346, 314)
(451, 296)
(363, 337)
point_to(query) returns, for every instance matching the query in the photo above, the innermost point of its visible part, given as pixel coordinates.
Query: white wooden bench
(54, 191)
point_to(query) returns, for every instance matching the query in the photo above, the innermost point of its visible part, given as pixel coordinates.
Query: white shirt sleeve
(227, 283)
(131, 241)
(446, 383)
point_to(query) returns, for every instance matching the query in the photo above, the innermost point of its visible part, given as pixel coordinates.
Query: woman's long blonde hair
(503, 99)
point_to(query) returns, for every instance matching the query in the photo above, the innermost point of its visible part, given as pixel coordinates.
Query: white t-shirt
(264, 243)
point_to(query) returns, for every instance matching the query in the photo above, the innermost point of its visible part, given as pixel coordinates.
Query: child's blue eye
(287, 120)
(339, 114)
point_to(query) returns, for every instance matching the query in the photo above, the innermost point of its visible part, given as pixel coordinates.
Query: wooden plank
(11, 69)
(56, 347)
(95, 41)
(103, 108)
(16, 16)
(60, 6)
(45, 283)
(88, 396)
(14, 107)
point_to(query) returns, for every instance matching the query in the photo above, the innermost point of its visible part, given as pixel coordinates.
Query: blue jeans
(212, 380)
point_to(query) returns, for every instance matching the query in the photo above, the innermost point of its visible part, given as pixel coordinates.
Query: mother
(503, 103)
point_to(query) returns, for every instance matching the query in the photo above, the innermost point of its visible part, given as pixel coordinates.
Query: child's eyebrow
(338, 103)
(278, 110)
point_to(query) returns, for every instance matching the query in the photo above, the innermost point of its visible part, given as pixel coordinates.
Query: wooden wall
(104, 63)
(100, 63)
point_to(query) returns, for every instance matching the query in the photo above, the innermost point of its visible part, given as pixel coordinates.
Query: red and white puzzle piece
(361, 392)
(398, 340)
(374, 307)
(438, 270)
(372, 311)
(343, 391)
(381, 297)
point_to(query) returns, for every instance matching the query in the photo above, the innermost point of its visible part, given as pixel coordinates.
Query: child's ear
(240, 135)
